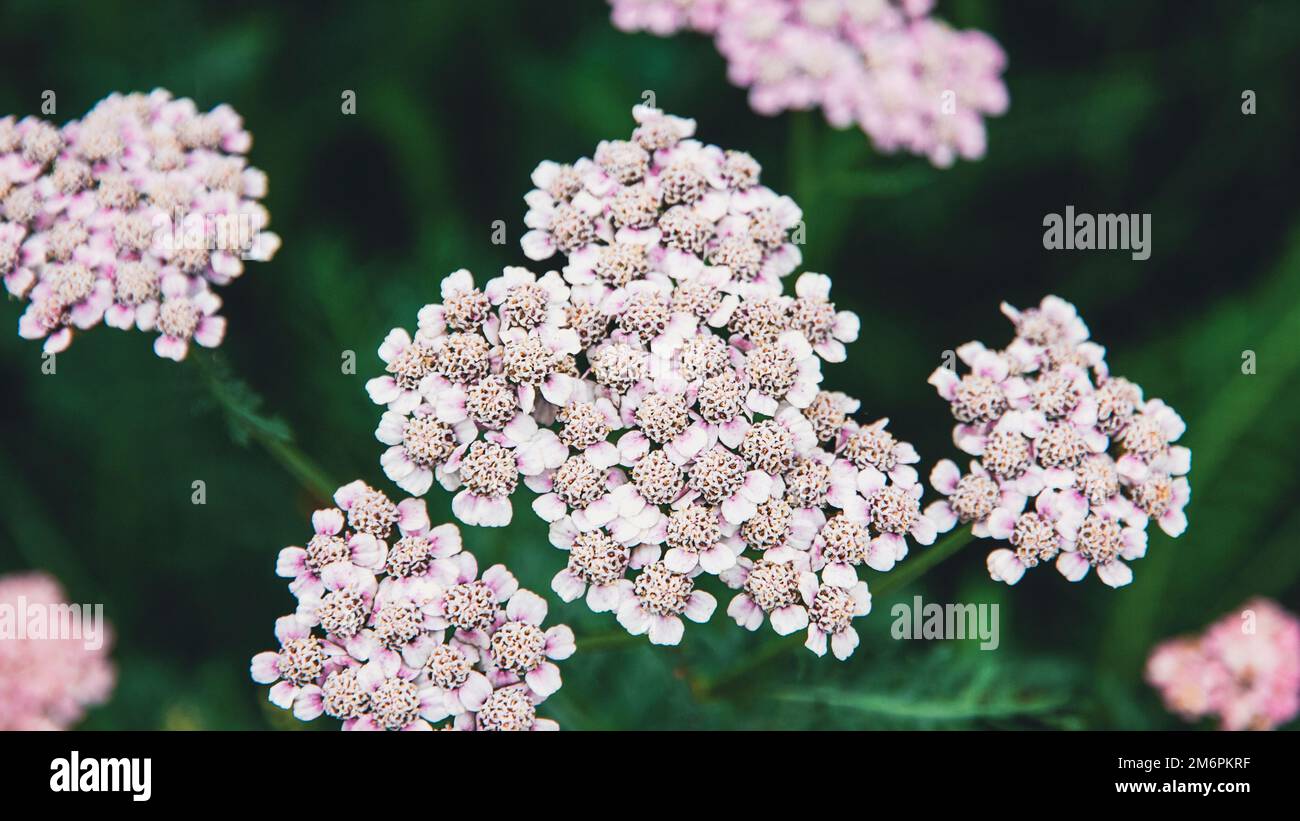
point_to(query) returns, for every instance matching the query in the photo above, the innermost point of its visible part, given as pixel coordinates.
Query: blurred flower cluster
(1048, 422)
(662, 396)
(396, 629)
(129, 216)
(46, 682)
(910, 82)
(1244, 670)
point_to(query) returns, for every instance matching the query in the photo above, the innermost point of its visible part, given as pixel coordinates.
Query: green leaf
(951, 688)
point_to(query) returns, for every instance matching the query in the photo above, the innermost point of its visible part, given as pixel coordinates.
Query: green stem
(309, 474)
(241, 404)
(802, 161)
(912, 570)
(613, 640)
(909, 572)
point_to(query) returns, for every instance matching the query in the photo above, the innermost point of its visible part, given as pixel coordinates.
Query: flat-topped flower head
(395, 637)
(342, 696)
(130, 215)
(453, 675)
(526, 301)
(70, 296)
(720, 400)
(343, 603)
(1048, 423)
(828, 413)
(658, 391)
(617, 366)
(721, 477)
(414, 554)
(1163, 497)
(842, 545)
(875, 453)
(586, 425)
(467, 603)
(814, 315)
(488, 471)
(461, 358)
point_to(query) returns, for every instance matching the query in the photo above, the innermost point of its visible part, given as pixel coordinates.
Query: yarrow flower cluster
(662, 396)
(1047, 422)
(129, 216)
(909, 81)
(396, 629)
(1244, 670)
(47, 681)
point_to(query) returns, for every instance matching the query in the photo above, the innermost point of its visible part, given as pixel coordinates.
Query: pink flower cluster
(129, 216)
(46, 683)
(1048, 423)
(396, 629)
(1244, 670)
(662, 396)
(909, 81)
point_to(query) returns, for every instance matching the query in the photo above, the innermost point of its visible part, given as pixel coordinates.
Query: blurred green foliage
(1127, 107)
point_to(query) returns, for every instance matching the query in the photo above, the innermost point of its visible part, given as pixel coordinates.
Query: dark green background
(1116, 107)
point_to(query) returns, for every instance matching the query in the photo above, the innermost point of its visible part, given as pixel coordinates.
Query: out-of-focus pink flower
(909, 81)
(664, 17)
(47, 682)
(1244, 670)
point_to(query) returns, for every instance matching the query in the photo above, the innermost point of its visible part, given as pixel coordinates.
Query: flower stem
(908, 572)
(611, 640)
(912, 570)
(241, 406)
(309, 474)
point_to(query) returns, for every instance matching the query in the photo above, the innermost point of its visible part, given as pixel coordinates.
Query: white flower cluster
(1048, 422)
(662, 395)
(401, 635)
(129, 216)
